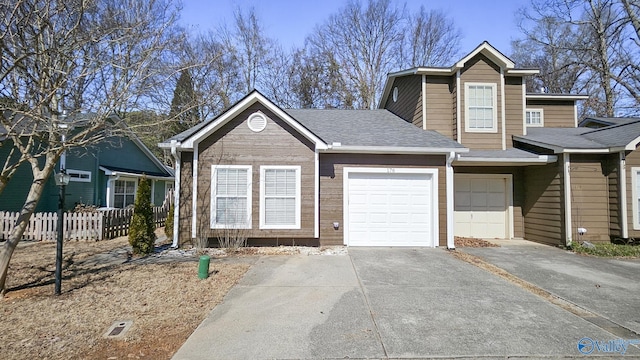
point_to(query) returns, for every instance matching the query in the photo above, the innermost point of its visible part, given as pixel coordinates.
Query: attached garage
(390, 207)
(482, 206)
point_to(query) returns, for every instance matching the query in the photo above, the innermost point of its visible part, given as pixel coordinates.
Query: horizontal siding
(542, 211)
(517, 197)
(514, 108)
(186, 184)
(589, 197)
(409, 104)
(481, 69)
(440, 102)
(556, 113)
(331, 188)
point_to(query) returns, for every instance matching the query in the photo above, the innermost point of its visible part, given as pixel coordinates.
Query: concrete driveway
(383, 303)
(609, 288)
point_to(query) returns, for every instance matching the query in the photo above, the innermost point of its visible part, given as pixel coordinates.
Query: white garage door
(390, 208)
(481, 206)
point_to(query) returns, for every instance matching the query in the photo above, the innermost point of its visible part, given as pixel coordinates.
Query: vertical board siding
(589, 197)
(440, 102)
(236, 144)
(543, 204)
(186, 186)
(331, 188)
(632, 160)
(409, 104)
(517, 196)
(557, 113)
(481, 70)
(513, 108)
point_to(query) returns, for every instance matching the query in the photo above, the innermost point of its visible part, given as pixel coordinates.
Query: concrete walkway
(607, 287)
(382, 303)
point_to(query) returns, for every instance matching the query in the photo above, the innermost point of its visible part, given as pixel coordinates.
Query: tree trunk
(35, 192)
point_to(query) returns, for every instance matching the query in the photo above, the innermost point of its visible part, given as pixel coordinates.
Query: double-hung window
(280, 197)
(231, 197)
(124, 193)
(481, 107)
(534, 117)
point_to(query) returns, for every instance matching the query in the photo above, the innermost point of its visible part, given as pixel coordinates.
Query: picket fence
(94, 226)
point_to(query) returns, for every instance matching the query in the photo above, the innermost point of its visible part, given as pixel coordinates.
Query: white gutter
(176, 194)
(130, 174)
(622, 173)
(450, 194)
(391, 150)
(566, 164)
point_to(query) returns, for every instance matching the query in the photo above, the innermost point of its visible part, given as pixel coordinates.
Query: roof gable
(490, 52)
(187, 140)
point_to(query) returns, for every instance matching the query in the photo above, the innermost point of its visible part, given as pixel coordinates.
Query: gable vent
(257, 122)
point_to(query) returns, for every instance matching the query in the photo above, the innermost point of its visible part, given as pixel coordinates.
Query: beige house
(456, 151)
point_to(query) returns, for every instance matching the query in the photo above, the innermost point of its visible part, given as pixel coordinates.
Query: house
(103, 175)
(451, 151)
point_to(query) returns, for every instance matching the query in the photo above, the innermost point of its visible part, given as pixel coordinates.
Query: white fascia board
(556, 97)
(240, 107)
(393, 150)
(631, 146)
(522, 72)
(129, 174)
(477, 161)
(491, 52)
(164, 145)
(561, 150)
(588, 151)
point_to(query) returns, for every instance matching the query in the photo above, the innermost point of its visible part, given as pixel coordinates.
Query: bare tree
(95, 58)
(431, 39)
(604, 48)
(361, 39)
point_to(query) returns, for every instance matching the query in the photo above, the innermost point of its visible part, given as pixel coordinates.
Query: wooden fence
(106, 224)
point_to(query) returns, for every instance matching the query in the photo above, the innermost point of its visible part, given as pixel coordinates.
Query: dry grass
(166, 302)
(472, 242)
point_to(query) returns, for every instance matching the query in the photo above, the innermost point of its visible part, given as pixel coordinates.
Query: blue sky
(290, 21)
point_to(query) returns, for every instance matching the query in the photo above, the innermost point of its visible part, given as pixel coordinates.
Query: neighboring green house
(104, 175)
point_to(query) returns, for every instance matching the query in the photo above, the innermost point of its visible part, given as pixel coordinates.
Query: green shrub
(141, 230)
(168, 224)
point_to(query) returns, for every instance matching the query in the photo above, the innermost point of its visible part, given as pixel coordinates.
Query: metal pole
(58, 285)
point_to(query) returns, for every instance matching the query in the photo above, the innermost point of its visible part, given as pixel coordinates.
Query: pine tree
(184, 112)
(141, 230)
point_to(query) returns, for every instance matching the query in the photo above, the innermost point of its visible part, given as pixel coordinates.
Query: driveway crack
(368, 303)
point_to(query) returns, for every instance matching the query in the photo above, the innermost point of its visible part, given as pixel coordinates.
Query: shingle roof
(511, 153)
(609, 120)
(613, 136)
(368, 128)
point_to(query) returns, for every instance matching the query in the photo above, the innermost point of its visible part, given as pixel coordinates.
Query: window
(280, 197)
(79, 175)
(635, 193)
(124, 193)
(395, 94)
(534, 117)
(481, 108)
(231, 197)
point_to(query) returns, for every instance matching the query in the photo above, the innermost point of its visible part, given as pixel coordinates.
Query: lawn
(165, 300)
(607, 250)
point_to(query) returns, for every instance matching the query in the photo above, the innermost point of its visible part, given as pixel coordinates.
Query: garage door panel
(480, 204)
(390, 209)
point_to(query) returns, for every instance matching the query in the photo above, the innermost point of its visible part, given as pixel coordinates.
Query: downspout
(176, 194)
(566, 163)
(449, 182)
(316, 197)
(624, 225)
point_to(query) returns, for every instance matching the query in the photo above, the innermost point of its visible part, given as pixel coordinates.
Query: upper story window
(280, 197)
(534, 117)
(481, 110)
(79, 175)
(231, 197)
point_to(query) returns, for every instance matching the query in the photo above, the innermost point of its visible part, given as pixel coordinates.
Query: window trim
(635, 172)
(212, 209)
(79, 173)
(298, 170)
(135, 191)
(494, 93)
(529, 110)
